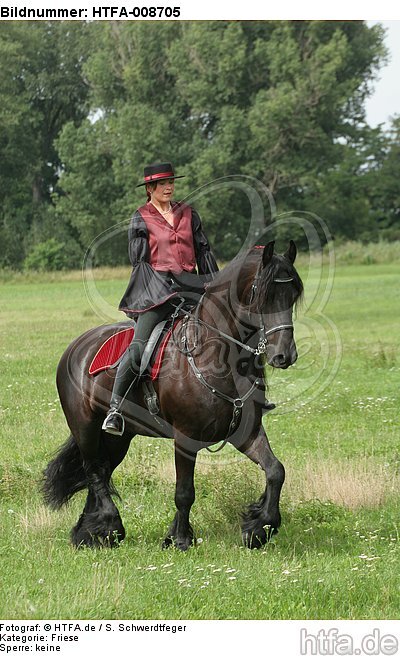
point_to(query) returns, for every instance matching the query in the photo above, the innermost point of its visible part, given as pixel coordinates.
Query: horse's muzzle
(282, 360)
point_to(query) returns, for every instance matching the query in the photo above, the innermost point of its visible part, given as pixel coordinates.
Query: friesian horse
(211, 388)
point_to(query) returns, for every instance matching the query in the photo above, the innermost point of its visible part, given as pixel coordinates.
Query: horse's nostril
(278, 360)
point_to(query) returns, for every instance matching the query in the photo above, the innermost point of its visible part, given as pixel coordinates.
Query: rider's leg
(127, 374)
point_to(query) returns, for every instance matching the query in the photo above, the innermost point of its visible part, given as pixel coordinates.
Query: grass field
(336, 429)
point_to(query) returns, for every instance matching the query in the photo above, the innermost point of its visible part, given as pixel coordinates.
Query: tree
(86, 106)
(384, 186)
(42, 87)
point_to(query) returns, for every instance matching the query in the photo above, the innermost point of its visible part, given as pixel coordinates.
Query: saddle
(112, 350)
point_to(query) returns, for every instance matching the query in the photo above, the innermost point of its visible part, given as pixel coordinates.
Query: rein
(237, 402)
(263, 343)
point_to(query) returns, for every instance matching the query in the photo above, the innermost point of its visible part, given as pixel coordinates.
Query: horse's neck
(229, 314)
(225, 309)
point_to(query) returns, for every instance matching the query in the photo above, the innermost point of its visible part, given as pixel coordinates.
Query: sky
(385, 101)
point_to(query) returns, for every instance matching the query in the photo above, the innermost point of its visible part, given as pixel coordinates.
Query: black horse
(211, 388)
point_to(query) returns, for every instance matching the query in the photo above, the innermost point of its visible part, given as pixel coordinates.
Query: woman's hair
(152, 185)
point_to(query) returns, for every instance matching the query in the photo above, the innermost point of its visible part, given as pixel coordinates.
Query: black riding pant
(145, 325)
(129, 367)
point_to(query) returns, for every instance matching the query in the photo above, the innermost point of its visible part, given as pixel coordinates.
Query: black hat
(156, 172)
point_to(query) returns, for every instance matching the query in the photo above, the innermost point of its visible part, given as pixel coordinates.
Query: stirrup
(114, 423)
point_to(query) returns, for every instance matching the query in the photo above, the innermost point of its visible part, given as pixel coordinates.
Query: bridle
(261, 348)
(264, 334)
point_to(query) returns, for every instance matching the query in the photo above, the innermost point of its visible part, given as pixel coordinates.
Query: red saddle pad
(112, 350)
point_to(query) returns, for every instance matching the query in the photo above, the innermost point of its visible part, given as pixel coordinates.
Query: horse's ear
(291, 252)
(268, 253)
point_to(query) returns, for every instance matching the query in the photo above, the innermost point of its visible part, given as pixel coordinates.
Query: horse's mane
(244, 264)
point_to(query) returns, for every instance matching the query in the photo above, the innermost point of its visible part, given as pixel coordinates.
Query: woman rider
(166, 243)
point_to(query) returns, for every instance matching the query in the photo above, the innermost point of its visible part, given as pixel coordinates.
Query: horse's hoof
(256, 539)
(167, 542)
(182, 544)
(97, 542)
(81, 538)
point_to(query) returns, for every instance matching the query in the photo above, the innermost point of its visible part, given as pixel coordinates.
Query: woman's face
(164, 191)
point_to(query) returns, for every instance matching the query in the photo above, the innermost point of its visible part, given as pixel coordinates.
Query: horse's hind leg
(262, 519)
(100, 523)
(180, 533)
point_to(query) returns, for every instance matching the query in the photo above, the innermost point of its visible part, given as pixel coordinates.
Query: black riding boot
(125, 378)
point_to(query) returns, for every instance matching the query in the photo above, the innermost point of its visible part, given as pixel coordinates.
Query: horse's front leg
(262, 519)
(180, 533)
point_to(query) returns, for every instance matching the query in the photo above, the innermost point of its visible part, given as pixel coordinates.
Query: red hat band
(159, 176)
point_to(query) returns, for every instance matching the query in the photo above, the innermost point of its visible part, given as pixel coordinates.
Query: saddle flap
(160, 352)
(155, 349)
(151, 345)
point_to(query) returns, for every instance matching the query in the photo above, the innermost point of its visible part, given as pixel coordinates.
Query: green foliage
(52, 255)
(280, 101)
(384, 190)
(355, 252)
(41, 87)
(84, 109)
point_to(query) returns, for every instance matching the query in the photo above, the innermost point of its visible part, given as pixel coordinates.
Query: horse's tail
(63, 476)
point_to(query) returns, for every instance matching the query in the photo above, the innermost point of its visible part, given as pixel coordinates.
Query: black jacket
(148, 288)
